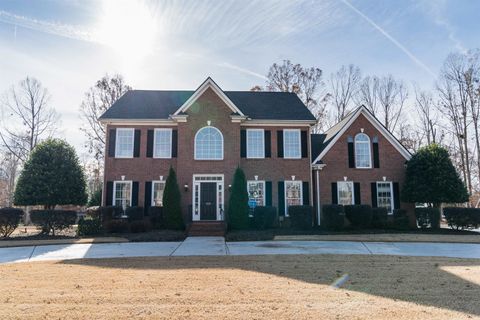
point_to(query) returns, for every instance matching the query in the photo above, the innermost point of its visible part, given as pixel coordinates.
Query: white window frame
(155, 143)
(353, 190)
(257, 182)
(285, 193)
(369, 144)
(392, 197)
(263, 143)
(299, 143)
(195, 145)
(117, 141)
(115, 191)
(153, 189)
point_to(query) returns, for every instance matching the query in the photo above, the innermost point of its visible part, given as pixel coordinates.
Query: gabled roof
(161, 105)
(332, 135)
(318, 143)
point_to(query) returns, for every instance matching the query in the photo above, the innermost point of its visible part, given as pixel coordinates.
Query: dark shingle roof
(317, 144)
(145, 104)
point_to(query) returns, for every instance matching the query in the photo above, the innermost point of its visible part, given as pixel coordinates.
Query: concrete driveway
(216, 246)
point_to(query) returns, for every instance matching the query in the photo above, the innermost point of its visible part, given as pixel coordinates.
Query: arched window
(209, 144)
(363, 158)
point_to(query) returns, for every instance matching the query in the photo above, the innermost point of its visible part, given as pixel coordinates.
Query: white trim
(276, 123)
(117, 141)
(391, 194)
(155, 142)
(353, 191)
(299, 143)
(263, 143)
(369, 144)
(115, 190)
(220, 206)
(133, 122)
(317, 182)
(208, 83)
(264, 189)
(285, 193)
(195, 145)
(388, 135)
(153, 188)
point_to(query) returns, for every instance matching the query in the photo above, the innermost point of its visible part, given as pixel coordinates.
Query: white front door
(208, 197)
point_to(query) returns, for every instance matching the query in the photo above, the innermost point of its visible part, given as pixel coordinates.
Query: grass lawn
(250, 287)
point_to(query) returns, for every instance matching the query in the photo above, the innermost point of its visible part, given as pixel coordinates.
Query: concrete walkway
(216, 246)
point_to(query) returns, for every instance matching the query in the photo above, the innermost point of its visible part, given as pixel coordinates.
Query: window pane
(384, 195)
(122, 194)
(209, 144)
(362, 151)
(157, 197)
(345, 192)
(124, 143)
(163, 143)
(293, 194)
(291, 144)
(255, 144)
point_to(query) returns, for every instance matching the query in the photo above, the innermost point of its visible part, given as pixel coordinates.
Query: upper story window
(345, 193)
(209, 144)
(363, 158)
(292, 147)
(255, 143)
(124, 143)
(162, 143)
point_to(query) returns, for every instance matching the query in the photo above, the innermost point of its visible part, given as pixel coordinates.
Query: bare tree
(97, 100)
(367, 94)
(344, 85)
(428, 117)
(9, 167)
(392, 95)
(26, 118)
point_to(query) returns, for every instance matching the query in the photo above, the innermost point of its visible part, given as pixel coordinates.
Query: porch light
(256, 178)
(123, 178)
(185, 187)
(229, 187)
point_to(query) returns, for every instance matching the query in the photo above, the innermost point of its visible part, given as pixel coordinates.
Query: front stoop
(206, 228)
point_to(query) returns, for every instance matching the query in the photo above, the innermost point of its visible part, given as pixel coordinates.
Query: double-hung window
(157, 193)
(293, 194)
(122, 191)
(162, 143)
(363, 158)
(255, 143)
(256, 192)
(292, 147)
(124, 143)
(345, 193)
(385, 195)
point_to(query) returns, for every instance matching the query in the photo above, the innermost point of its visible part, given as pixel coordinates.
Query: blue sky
(68, 45)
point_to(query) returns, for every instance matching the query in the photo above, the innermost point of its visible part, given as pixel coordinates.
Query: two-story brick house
(205, 135)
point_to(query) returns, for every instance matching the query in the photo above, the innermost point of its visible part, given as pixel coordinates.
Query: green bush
(379, 217)
(238, 209)
(462, 218)
(400, 220)
(264, 217)
(95, 198)
(89, 227)
(359, 215)
(117, 226)
(139, 226)
(156, 217)
(301, 217)
(53, 220)
(9, 220)
(333, 216)
(427, 217)
(134, 213)
(171, 203)
(110, 212)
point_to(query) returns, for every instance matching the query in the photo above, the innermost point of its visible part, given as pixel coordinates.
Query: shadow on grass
(423, 281)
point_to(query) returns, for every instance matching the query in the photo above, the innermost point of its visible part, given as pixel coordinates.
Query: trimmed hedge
(462, 218)
(427, 217)
(109, 212)
(264, 217)
(359, 215)
(301, 217)
(333, 216)
(89, 227)
(139, 226)
(400, 219)
(379, 217)
(53, 220)
(9, 220)
(156, 217)
(134, 213)
(117, 226)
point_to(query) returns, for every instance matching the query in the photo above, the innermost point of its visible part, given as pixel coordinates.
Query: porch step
(207, 228)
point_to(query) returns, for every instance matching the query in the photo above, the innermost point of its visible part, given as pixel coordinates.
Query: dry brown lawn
(387, 237)
(250, 287)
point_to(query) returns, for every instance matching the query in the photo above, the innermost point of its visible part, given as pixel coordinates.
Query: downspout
(318, 197)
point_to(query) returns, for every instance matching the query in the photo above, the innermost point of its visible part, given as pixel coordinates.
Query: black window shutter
(305, 193)
(374, 194)
(396, 195)
(304, 142)
(150, 143)
(134, 193)
(148, 196)
(268, 193)
(243, 143)
(136, 144)
(109, 194)
(112, 136)
(281, 198)
(334, 193)
(356, 193)
(174, 143)
(280, 143)
(351, 155)
(376, 158)
(268, 143)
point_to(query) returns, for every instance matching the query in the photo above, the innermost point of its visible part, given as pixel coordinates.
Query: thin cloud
(392, 39)
(240, 69)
